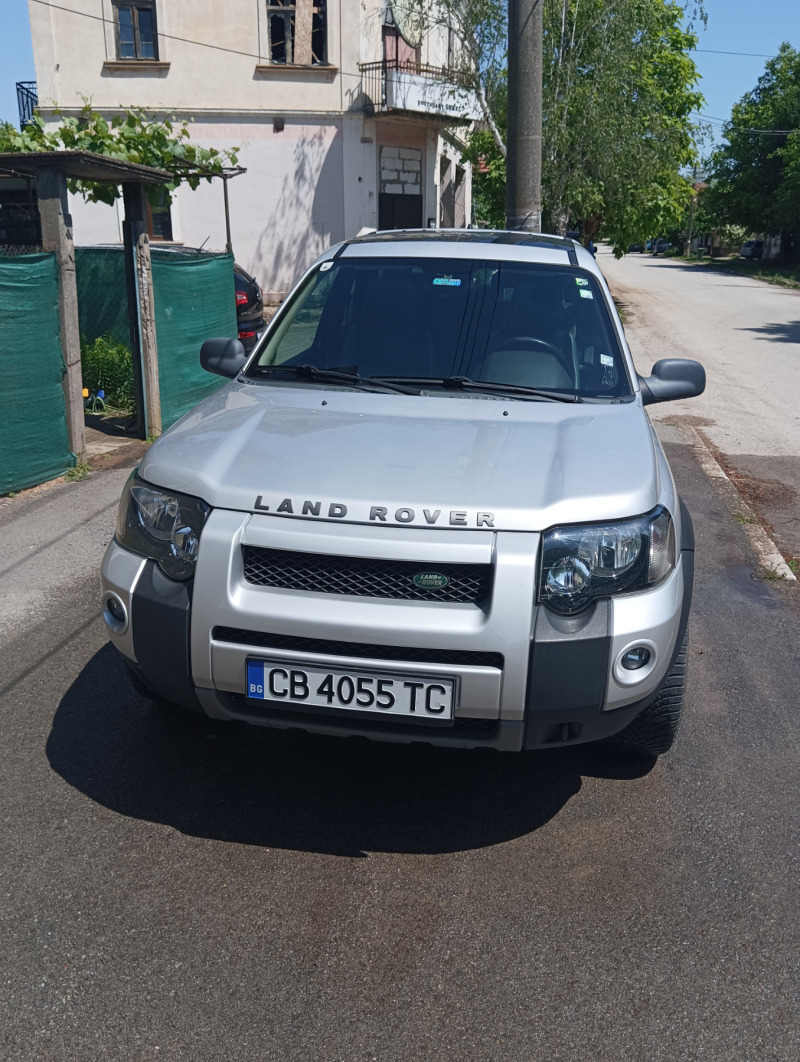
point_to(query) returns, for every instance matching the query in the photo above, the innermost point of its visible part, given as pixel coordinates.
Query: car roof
(495, 244)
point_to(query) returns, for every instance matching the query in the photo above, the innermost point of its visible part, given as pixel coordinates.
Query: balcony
(27, 99)
(404, 87)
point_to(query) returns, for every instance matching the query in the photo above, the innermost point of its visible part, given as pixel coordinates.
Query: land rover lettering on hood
(428, 506)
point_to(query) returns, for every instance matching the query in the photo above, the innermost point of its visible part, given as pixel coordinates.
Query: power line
(253, 55)
(716, 51)
(741, 129)
(168, 36)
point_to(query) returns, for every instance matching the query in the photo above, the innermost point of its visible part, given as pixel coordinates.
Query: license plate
(413, 696)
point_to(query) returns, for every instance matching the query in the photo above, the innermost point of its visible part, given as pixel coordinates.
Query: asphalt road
(747, 335)
(177, 889)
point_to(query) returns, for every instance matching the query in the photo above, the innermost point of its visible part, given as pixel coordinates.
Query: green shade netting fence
(194, 300)
(34, 443)
(102, 295)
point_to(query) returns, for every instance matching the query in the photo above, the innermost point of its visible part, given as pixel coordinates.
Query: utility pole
(691, 213)
(524, 158)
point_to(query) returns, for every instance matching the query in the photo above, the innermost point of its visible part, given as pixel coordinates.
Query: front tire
(654, 730)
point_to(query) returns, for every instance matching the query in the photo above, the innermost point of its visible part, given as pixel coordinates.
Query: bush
(107, 365)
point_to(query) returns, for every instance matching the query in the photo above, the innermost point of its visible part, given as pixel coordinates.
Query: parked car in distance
(661, 247)
(249, 308)
(353, 537)
(751, 249)
(635, 248)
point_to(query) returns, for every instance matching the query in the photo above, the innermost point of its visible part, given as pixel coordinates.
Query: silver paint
(119, 575)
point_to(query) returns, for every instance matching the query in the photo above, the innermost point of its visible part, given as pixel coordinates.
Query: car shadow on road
(287, 789)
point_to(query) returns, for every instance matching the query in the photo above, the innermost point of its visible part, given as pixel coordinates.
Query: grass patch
(107, 365)
(78, 473)
(770, 573)
(784, 276)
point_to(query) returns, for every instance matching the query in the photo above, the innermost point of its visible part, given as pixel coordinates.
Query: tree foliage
(755, 175)
(619, 89)
(619, 92)
(131, 136)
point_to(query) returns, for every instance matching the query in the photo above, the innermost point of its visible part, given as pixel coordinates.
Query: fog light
(635, 658)
(115, 614)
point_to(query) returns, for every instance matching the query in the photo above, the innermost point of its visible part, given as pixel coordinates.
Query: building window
(297, 32)
(136, 30)
(159, 218)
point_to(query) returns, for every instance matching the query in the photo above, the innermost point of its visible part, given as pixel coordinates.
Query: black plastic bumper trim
(160, 619)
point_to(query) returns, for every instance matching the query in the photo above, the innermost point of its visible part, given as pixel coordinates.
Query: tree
(619, 89)
(755, 176)
(131, 136)
(618, 101)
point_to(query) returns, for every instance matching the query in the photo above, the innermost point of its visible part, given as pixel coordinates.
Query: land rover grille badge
(430, 581)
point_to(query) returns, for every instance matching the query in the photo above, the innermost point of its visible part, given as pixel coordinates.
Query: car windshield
(432, 319)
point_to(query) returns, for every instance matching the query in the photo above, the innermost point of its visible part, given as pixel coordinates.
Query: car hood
(431, 461)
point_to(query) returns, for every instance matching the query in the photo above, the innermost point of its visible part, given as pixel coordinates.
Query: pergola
(51, 170)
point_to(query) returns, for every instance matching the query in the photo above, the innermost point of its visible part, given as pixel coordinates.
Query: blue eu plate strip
(255, 679)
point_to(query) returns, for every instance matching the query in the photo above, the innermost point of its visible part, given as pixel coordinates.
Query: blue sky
(754, 26)
(750, 26)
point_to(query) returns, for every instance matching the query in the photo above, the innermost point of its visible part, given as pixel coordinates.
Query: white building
(342, 124)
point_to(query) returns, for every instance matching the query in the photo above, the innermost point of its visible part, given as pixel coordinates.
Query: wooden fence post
(141, 308)
(57, 237)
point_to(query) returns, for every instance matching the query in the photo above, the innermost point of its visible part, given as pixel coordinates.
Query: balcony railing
(410, 87)
(27, 99)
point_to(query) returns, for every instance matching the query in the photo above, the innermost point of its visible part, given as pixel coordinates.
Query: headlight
(584, 562)
(161, 525)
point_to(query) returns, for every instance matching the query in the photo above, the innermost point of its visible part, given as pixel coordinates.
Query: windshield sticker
(324, 266)
(606, 359)
(582, 282)
(586, 294)
(449, 282)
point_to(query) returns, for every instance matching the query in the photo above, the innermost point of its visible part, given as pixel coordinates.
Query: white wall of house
(309, 184)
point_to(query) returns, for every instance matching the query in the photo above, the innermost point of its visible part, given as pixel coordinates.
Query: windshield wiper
(464, 383)
(311, 372)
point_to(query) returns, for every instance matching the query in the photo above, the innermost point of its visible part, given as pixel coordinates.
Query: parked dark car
(661, 247)
(751, 249)
(635, 248)
(249, 308)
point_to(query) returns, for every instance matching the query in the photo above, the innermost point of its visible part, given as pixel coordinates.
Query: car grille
(407, 654)
(364, 577)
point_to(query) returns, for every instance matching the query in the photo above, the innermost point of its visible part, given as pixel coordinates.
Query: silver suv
(429, 506)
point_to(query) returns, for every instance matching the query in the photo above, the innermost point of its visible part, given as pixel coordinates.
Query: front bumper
(525, 678)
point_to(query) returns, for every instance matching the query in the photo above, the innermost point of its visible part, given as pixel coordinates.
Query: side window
(159, 218)
(298, 331)
(298, 32)
(137, 37)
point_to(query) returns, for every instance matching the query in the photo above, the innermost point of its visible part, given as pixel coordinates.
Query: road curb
(768, 554)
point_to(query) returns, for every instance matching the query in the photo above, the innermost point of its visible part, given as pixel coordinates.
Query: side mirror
(673, 378)
(225, 357)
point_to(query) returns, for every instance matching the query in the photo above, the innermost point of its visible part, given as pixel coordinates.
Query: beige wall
(75, 54)
(312, 184)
